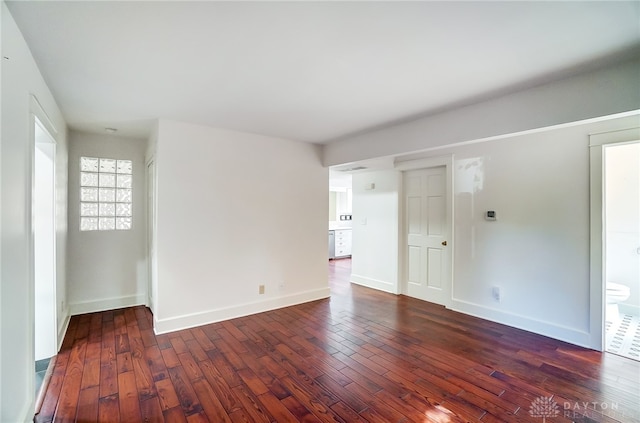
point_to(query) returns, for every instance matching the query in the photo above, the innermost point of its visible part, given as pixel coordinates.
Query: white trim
(614, 137)
(447, 161)
(37, 116)
(423, 163)
(217, 315)
(597, 143)
(152, 266)
(563, 333)
(596, 259)
(104, 304)
(30, 178)
(28, 411)
(62, 329)
(385, 286)
(37, 109)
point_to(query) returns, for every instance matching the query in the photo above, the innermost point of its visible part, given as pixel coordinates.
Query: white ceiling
(309, 71)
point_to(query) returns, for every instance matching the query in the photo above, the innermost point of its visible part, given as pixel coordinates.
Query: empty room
(320, 211)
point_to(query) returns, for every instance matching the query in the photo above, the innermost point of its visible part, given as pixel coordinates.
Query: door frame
(597, 145)
(425, 163)
(151, 210)
(38, 115)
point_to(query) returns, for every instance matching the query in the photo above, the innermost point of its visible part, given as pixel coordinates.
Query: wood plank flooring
(361, 356)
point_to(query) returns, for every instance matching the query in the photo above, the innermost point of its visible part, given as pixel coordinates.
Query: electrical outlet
(261, 289)
(495, 292)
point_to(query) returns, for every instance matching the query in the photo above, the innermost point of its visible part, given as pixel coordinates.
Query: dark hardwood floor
(361, 356)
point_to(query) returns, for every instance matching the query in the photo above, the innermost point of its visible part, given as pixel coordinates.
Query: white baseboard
(562, 333)
(374, 283)
(27, 411)
(211, 316)
(62, 328)
(106, 304)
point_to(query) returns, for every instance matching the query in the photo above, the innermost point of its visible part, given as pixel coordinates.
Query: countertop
(339, 228)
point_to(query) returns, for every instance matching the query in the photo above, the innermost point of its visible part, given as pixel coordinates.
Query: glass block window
(105, 194)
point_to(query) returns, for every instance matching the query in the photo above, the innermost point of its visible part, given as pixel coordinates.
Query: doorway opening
(340, 238)
(340, 214)
(621, 246)
(44, 248)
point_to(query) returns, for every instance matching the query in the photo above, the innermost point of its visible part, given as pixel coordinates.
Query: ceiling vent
(351, 169)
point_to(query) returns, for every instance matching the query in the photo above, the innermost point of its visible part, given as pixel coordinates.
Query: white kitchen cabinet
(342, 241)
(340, 202)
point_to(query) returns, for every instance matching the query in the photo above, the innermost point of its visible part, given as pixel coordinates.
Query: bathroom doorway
(621, 244)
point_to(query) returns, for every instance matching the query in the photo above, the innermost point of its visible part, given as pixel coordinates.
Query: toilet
(616, 293)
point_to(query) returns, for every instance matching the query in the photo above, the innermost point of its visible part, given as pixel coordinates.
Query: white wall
(20, 78)
(375, 230)
(107, 269)
(537, 251)
(590, 95)
(623, 220)
(235, 211)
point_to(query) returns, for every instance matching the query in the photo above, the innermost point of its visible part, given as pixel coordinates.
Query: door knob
(444, 243)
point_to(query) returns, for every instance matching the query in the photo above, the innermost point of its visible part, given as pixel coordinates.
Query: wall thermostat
(491, 215)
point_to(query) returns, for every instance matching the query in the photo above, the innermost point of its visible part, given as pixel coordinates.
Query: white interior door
(427, 229)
